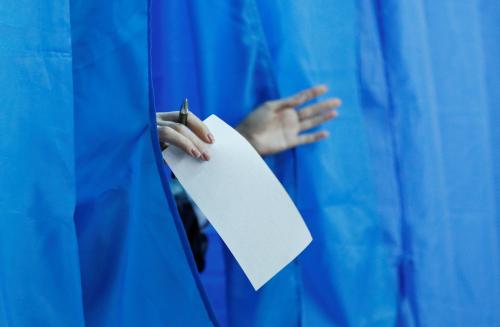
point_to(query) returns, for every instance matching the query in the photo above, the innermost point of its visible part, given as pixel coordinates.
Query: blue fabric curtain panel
(247, 52)
(39, 266)
(402, 200)
(429, 85)
(87, 233)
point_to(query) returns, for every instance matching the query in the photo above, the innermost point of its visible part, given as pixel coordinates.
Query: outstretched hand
(276, 125)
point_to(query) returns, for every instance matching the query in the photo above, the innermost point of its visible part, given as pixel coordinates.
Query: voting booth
(392, 221)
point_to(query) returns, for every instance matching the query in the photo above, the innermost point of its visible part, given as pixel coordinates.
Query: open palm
(276, 125)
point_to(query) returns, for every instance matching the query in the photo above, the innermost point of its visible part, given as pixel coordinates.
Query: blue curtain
(88, 234)
(402, 200)
(39, 266)
(246, 52)
(429, 81)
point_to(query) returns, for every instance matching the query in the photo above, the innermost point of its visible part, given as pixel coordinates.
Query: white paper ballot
(244, 202)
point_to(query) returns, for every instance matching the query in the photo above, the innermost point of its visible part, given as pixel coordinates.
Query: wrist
(250, 137)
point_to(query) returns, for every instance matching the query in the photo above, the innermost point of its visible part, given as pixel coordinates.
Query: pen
(183, 113)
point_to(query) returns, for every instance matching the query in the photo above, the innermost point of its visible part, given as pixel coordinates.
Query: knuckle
(183, 142)
(162, 131)
(269, 104)
(180, 127)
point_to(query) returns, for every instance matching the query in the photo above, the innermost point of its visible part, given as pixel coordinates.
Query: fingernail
(332, 114)
(334, 102)
(195, 153)
(205, 156)
(323, 135)
(211, 137)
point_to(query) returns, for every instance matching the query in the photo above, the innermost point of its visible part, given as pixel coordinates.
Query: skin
(192, 138)
(275, 126)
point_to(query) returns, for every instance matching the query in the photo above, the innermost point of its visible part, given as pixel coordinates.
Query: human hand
(192, 138)
(275, 125)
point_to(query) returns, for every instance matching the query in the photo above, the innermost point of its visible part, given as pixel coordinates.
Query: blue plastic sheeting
(429, 88)
(402, 200)
(87, 235)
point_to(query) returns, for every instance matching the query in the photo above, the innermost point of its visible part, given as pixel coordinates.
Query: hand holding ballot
(273, 127)
(244, 202)
(191, 137)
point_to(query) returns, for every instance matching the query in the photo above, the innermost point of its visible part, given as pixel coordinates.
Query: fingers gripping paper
(244, 201)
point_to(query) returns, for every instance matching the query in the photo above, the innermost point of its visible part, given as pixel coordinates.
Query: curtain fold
(426, 91)
(135, 269)
(89, 234)
(39, 265)
(242, 54)
(402, 200)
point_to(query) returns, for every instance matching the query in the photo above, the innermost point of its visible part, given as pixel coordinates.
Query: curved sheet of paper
(347, 276)
(244, 202)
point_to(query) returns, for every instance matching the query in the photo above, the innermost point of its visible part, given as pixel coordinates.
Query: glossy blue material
(242, 54)
(428, 80)
(87, 233)
(402, 201)
(39, 266)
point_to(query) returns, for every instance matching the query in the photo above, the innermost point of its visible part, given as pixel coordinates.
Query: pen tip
(185, 105)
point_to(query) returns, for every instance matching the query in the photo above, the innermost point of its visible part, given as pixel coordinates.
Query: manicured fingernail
(329, 115)
(334, 103)
(195, 153)
(205, 156)
(211, 137)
